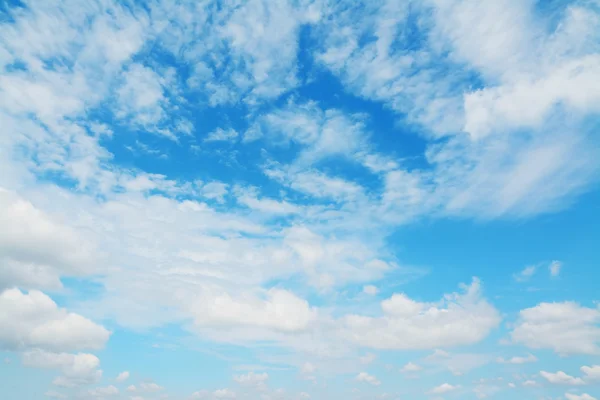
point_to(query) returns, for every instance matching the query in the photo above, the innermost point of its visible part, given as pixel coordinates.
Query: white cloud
(224, 394)
(371, 290)
(367, 378)
(321, 133)
(317, 184)
(457, 363)
(172, 260)
(443, 388)
(526, 274)
(561, 378)
(265, 205)
(103, 391)
(566, 328)
(252, 379)
(592, 372)
(150, 387)
(140, 98)
(259, 33)
(530, 383)
(485, 391)
(76, 369)
(122, 377)
(214, 190)
(490, 176)
(527, 103)
(308, 368)
(410, 368)
(55, 395)
(518, 360)
(38, 249)
(367, 358)
(407, 324)
(222, 135)
(555, 267)
(573, 396)
(33, 320)
(281, 310)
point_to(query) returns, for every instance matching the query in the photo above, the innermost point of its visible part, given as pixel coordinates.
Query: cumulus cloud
(410, 368)
(77, 369)
(102, 392)
(573, 396)
(443, 388)
(459, 318)
(239, 264)
(216, 395)
(123, 376)
(518, 360)
(150, 387)
(221, 135)
(38, 249)
(591, 372)
(368, 358)
(368, 378)
(252, 379)
(457, 363)
(567, 328)
(561, 378)
(33, 320)
(281, 310)
(370, 290)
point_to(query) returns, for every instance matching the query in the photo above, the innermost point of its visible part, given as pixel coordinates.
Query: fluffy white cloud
(526, 103)
(150, 387)
(367, 358)
(457, 363)
(123, 376)
(561, 378)
(140, 97)
(411, 368)
(37, 249)
(172, 257)
(252, 379)
(406, 324)
(308, 368)
(280, 310)
(518, 360)
(371, 290)
(592, 372)
(103, 391)
(566, 328)
(221, 135)
(573, 396)
(368, 378)
(76, 369)
(33, 320)
(55, 395)
(443, 388)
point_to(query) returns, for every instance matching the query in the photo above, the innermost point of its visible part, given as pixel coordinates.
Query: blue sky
(304, 199)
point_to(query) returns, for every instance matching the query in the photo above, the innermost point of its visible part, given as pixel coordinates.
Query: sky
(299, 199)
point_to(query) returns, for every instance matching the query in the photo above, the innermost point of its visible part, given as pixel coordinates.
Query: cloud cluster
(567, 328)
(263, 249)
(33, 320)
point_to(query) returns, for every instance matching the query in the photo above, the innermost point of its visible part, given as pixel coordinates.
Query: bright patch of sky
(299, 199)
